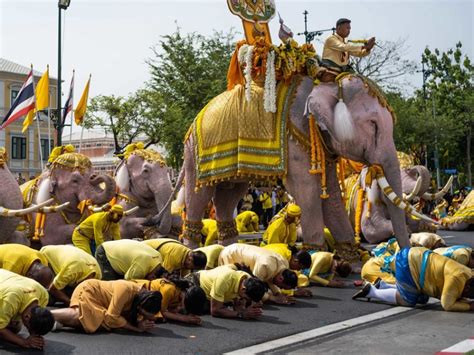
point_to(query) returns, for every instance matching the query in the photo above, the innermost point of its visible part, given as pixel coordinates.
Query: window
(14, 94)
(18, 147)
(44, 148)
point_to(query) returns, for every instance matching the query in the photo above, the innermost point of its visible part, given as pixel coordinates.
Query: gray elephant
(143, 180)
(69, 179)
(362, 132)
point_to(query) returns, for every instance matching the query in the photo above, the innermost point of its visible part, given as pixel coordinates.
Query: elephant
(368, 206)
(69, 179)
(143, 180)
(363, 133)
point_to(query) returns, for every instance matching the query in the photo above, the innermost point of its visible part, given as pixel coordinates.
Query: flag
(82, 105)
(42, 99)
(68, 104)
(24, 102)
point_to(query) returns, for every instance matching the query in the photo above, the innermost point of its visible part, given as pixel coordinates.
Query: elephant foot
(348, 252)
(227, 232)
(192, 236)
(314, 246)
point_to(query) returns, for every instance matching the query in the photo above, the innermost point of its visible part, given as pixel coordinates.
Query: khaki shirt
(338, 51)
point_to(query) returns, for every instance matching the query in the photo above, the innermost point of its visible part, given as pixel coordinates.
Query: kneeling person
(324, 266)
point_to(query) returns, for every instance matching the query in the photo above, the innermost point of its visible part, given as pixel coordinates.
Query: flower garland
(269, 100)
(248, 73)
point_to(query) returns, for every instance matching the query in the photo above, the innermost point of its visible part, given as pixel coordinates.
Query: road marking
(462, 347)
(319, 332)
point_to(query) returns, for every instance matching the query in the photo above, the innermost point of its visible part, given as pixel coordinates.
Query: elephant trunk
(103, 189)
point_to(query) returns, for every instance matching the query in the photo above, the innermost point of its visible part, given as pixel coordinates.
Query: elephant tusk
(51, 209)
(397, 201)
(415, 191)
(101, 208)
(438, 195)
(5, 212)
(131, 210)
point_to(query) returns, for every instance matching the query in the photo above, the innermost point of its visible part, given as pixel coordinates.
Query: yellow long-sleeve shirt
(212, 253)
(209, 230)
(280, 231)
(338, 51)
(16, 294)
(247, 222)
(222, 283)
(372, 270)
(279, 248)
(18, 258)
(266, 201)
(321, 268)
(445, 279)
(134, 260)
(173, 252)
(97, 227)
(70, 264)
(461, 255)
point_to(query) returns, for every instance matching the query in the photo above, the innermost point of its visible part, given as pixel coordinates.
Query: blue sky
(112, 39)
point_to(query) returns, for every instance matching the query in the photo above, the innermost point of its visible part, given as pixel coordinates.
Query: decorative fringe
(39, 226)
(358, 211)
(227, 230)
(192, 231)
(318, 156)
(341, 169)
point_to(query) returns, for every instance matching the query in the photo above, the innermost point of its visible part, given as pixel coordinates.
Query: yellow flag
(82, 105)
(42, 92)
(28, 120)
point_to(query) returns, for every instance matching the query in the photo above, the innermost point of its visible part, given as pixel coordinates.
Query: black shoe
(362, 293)
(377, 282)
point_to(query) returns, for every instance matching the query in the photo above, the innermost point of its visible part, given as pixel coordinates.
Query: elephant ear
(122, 178)
(44, 190)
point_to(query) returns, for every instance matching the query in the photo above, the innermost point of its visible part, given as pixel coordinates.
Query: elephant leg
(56, 231)
(306, 190)
(226, 200)
(376, 228)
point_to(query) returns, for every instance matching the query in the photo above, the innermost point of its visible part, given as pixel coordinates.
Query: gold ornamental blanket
(465, 213)
(236, 138)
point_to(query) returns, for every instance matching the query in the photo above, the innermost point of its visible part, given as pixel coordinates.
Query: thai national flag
(24, 102)
(68, 104)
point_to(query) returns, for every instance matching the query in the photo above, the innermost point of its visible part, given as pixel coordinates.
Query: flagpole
(49, 126)
(82, 133)
(37, 122)
(70, 127)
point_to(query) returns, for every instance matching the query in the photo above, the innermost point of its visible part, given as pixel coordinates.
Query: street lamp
(62, 5)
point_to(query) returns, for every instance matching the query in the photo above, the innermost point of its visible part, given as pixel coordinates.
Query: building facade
(26, 151)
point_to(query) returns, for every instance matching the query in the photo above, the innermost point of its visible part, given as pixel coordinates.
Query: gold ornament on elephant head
(149, 155)
(3, 156)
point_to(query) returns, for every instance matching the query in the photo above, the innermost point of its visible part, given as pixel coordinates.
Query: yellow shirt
(222, 283)
(371, 270)
(16, 294)
(338, 51)
(265, 264)
(279, 231)
(212, 253)
(70, 264)
(444, 278)
(266, 201)
(461, 255)
(132, 259)
(97, 227)
(279, 248)
(209, 230)
(173, 252)
(18, 258)
(244, 222)
(169, 292)
(424, 239)
(321, 265)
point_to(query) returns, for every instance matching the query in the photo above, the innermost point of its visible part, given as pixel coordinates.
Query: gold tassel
(358, 211)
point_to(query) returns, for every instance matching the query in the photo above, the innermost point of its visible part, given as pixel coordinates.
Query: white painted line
(461, 347)
(318, 332)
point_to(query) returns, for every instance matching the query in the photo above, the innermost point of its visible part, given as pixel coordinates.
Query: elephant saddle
(236, 138)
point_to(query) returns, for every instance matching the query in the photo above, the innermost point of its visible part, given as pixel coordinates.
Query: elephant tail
(156, 219)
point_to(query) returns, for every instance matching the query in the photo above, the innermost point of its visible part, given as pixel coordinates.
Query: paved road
(219, 335)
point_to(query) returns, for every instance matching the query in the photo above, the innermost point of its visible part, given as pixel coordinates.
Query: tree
(186, 72)
(386, 64)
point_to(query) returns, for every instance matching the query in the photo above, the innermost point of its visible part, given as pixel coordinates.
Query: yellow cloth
(236, 138)
(170, 293)
(445, 279)
(18, 258)
(70, 264)
(461, 255)
(265, 264)
(247, 222)
(134, 260)
(212, 253)
(424, 239)
(209, 231)
(102, 303)
(222, 283)
(371, 270)
(266, 201)
(95, 227)
(81, 107)
(321, 265)
(279, 231)
(391, 249)
(173, 252)
(465, 213)
(338, 51)
(16, 294)
(279, 248)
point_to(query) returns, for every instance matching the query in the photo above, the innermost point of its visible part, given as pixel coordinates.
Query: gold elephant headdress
(149, 155)
(3, 156)
(72, 161)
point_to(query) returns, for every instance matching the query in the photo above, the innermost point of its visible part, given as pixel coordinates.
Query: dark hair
(254, 289)
(160, 272)
(289, 278)
(470, 288)
(343, 269)
(243, 267)
(149, 301)
(180, 283)
(41, 321)
(304, 259)
(293, 249)
(199, 260)
(195, 300)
